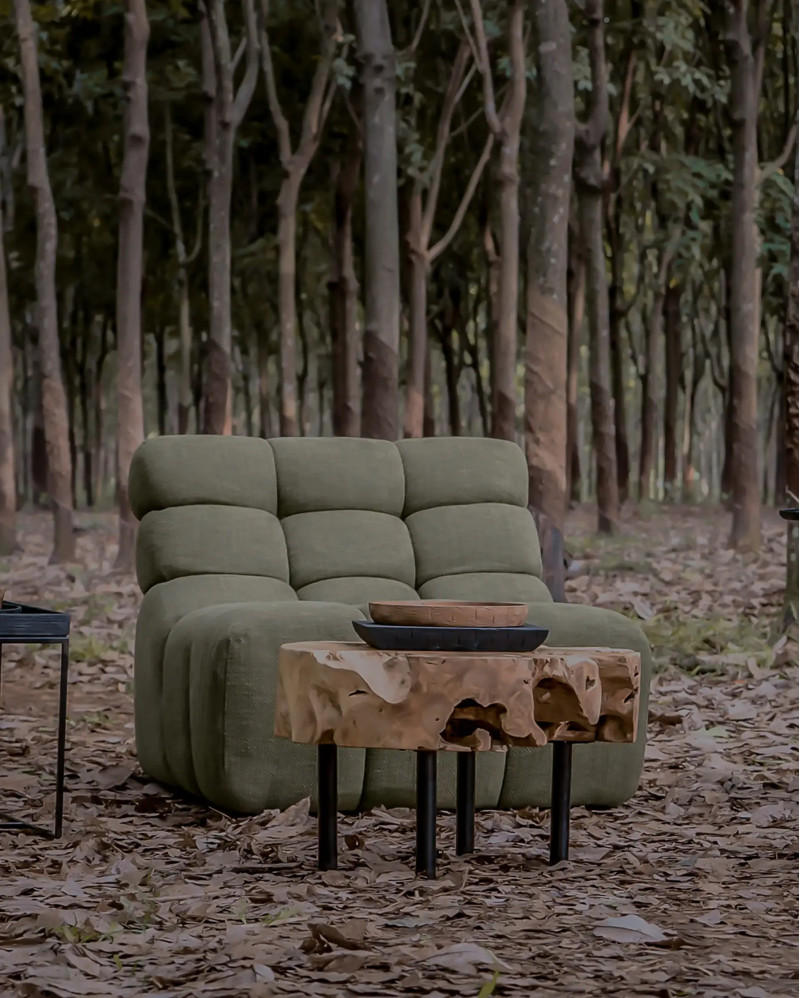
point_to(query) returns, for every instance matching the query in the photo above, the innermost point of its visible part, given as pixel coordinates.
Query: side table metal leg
(426, 813)
(327, 804)
(559, 801)
(62, 737)
(465, 802)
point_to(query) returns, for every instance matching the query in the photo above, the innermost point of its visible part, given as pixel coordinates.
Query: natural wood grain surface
(351, 695)
(448, 613)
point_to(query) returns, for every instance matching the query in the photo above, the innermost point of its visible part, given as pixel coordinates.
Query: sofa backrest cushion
(339, 519)
(323, 473)
(188, 470)
(465, 509)
(208, 506)
(340, 502)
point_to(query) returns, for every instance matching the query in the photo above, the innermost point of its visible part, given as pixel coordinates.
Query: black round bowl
(790, 513)
(394, 637)
(10, 607)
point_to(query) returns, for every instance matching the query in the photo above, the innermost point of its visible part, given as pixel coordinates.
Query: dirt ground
(687, 890)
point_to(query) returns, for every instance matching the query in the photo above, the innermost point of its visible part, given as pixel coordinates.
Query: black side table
(20, 624)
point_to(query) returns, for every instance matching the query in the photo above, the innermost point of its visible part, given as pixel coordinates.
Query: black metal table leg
(327, 803)
(559, 801)
(62, 738)
(426, 813)
(465, 802)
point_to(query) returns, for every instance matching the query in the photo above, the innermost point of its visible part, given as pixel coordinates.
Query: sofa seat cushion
(335, 543)
(162, 607)
(602, 774)
(505, 587)
(220, 678)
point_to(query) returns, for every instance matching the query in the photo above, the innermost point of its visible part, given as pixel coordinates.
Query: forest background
(573, 225)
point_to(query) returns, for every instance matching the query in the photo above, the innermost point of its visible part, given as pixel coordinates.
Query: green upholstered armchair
(245, 544)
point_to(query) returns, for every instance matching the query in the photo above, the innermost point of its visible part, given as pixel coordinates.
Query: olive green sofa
(245, 544)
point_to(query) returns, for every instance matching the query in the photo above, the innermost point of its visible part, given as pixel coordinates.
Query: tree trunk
(185, 353)
(136, 139)
(287, 314)
(8, 488)
(673, 366)
(264, 415)
(224, 113)
(343, 298)
(746, 528)
(617, 356)
(589, 183)
(791, 401)
(162, 407)
(577, 301)
(54, 401)
(418, 320)
(504, 356)
(552, 126)
(379, 417)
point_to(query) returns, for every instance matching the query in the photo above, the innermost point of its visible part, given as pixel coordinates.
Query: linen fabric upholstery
(183, 471)
(246, 544)
(455, 471)
(319, 473)
(347, 542)
(219, 540)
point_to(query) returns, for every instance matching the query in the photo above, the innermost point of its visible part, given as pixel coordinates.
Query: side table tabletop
(21, 624)
(346, 694)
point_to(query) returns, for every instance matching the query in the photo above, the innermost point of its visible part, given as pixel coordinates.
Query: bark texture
(343, 294)
(589, 183)
(552, 136)
(136, 143)
(8, 491)
(54, 399)
(379, 414)
(673, 346)
(744, 328)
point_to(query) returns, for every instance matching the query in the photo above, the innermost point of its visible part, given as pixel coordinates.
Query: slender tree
(745, 56)
(184, 259)
(589, 184)
(423, 203)
(379, 414)
(54, 399)
(8, 489)
(505, 126)
(225, 109)
(136, 144)
(343, 289)
(553, 127)
(295, 163)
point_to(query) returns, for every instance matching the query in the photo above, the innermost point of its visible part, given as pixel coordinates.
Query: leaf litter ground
(687, 890)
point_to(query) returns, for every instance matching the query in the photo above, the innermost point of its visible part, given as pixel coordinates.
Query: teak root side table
(346, 694)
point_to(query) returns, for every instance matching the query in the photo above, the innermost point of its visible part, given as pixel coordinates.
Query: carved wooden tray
(448, 613)
(393, 637)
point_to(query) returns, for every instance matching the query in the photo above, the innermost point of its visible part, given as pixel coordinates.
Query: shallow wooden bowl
(448, 613)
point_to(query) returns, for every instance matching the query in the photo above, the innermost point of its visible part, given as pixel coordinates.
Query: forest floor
(687, 890)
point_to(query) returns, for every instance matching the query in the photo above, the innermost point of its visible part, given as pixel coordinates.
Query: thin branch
(420, 29)
(442, 138)
(468, 33)
(318, 103)
(591, 132)
(278, 117)
(248, 85)
(172, 193)
(485, 68)
(780, 162)
(458, 218)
